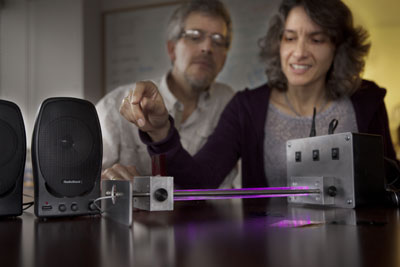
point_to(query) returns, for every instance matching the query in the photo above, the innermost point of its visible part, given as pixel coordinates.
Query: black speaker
(66, 157)
(12, 158)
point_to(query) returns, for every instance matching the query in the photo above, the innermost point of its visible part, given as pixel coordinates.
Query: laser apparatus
(339, 170)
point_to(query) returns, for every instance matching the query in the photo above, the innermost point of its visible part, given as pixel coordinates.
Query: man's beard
(203, 83)
(199, 85)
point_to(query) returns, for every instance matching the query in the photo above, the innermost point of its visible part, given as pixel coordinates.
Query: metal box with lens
(350, 164)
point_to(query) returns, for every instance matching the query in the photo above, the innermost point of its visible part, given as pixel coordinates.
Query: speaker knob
(62, 207)
(92, 206)
(74, 207)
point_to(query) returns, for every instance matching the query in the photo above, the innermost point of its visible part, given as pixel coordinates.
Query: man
(199, 36)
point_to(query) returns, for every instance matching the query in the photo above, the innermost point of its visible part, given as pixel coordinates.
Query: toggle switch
(335, 153)
(315, 155)
(297, 156)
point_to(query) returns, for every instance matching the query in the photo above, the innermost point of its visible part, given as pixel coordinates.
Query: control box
(351, 163)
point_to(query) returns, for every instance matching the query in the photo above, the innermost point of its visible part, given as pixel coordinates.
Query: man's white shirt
(121, 142)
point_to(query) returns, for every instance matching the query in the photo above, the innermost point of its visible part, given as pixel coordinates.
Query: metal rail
(233, 192)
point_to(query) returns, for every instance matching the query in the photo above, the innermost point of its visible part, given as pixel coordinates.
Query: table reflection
(10, 241)
(69, 241)
(248, 232)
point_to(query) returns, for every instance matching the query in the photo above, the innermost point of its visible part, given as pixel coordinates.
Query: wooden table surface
(252, 232)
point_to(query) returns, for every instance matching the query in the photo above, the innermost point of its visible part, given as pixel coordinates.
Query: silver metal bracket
(118, 208)
(152, 193)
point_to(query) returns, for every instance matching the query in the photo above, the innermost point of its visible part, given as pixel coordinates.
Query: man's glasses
(198, 36)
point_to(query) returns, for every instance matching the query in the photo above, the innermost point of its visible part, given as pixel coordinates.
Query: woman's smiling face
(306, 51)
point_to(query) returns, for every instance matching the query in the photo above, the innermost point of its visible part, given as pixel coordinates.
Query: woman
(314, 59)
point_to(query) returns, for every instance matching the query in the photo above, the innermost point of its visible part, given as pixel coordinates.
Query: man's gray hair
(212, 8)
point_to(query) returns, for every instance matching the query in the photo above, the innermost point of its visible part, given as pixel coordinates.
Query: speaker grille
(8, 143)
(67, 142)
(69, 146)
(12, 145)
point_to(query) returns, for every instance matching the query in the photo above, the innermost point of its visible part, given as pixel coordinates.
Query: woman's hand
(146, 109)
(119, 172)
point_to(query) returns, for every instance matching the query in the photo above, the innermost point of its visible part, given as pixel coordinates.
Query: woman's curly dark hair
(351, 43)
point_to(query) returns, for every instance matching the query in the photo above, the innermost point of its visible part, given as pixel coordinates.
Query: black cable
(332, 126)
(392, 171)
(28, 205)
(313, 132)
(392, 180)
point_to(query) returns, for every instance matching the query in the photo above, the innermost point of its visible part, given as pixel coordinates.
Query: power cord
(28, 204)
(332, 126)
(392, 180)
(101, 198)
(392, 173)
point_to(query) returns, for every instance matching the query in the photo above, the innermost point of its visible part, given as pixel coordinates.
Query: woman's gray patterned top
(281, 127)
